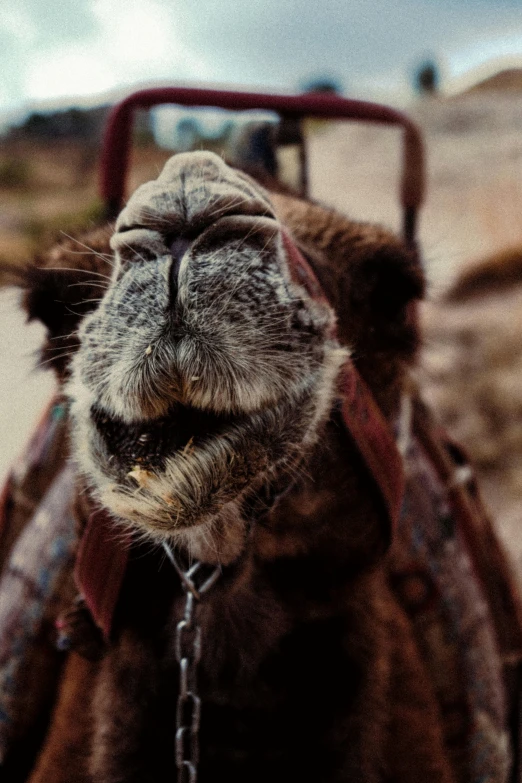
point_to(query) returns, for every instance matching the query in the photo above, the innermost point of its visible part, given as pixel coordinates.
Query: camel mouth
(136, 449)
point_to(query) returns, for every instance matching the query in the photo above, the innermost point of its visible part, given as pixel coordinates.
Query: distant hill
(75, 124)
(509, 80)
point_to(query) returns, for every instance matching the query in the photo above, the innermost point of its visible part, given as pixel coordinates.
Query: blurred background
(454, 65)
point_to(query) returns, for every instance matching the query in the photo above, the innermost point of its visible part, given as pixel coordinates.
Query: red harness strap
(374, 440)
(102, 557)
(100, 566)
(361, 415)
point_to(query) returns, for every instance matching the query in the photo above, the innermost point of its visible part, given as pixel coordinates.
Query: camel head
(206, 371)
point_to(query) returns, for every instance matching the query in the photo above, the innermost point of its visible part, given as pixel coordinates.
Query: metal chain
(196, 581)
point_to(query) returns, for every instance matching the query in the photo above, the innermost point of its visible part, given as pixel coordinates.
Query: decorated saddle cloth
(37, 549)
(445, 567)
(453, 580)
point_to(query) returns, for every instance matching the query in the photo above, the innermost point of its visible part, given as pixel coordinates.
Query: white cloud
(53, 48)
(140, 43)
(17, 22)
(137, 32)
(494, 48)
(67, 71)
(144, 41)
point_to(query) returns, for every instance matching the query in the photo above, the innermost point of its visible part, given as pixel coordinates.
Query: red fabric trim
(5, 497)
(489, 562)
(100, 568)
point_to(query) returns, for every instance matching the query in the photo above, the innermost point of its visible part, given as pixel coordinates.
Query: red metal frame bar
(115, 152)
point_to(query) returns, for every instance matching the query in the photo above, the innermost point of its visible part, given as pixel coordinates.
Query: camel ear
(64, 283)
(59, 298)
(379, 289)
(387, 280)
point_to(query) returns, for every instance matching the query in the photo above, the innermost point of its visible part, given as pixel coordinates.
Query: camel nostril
(178, 247)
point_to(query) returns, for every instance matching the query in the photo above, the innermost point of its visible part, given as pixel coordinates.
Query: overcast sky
(53, 48)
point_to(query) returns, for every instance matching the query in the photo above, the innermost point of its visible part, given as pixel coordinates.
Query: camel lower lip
(147, 445)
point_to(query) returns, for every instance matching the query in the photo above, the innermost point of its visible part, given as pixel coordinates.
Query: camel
(262, 571)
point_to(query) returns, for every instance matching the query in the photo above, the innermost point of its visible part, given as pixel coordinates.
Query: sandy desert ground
(474, 208)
